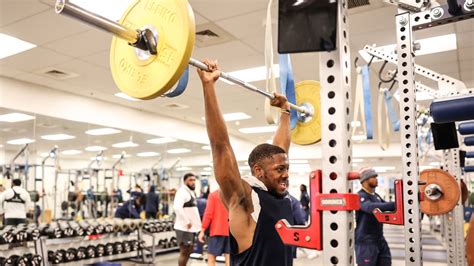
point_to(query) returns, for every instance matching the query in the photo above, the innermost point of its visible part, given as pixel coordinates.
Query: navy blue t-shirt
(267, 247)
(368, 229)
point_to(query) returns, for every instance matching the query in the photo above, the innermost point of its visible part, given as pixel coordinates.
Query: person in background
(304, 200)
(188, 222)
(152, 203)
(370, 245)
(131, 208)
(15, 203)
(217, 217)
(201, 205)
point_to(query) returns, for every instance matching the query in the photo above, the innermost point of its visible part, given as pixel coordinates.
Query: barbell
(152, 47)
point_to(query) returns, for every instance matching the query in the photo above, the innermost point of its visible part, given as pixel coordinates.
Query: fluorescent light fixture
(425, 167)
(355, 164)
(126, 97)
(1, 145)
(357, 160)
(95, 148)
(117, 156)
(431, 45)
(102, 131)
(383, 169)
(253, 130)
(435, 163)
(161, 140)
(127, 144)
(180, 150)
(44, 154)
(244, 168)
(298, 161)
(207, 168)
(58, 137)
(355, 123)
(359, 137)
(10, 45)
(233, 116)
(98, 158)
(420, 96)
(148, 154)
(20, 141)
(183, 168)
(15, 117)
(71, 152)
(253, 74)
(205, 173)
(207, 147)
(380, 170)
(103, 7)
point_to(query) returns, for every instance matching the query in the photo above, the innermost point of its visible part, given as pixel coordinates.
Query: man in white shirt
(14, 203)
(188, 222)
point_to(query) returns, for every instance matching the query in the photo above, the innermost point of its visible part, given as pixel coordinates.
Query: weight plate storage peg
(441, 192)
(308, 128)
(139, 73)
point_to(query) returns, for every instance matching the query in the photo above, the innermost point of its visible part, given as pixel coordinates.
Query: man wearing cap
(370, 245)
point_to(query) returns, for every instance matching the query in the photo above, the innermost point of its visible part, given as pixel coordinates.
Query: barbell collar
(64, 7)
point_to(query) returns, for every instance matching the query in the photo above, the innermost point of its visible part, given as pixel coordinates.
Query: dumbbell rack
(151, 241)
(33, 247)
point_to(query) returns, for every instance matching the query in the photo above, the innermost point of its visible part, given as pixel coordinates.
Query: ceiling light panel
(127, 144)
(95, 148)
(126, 97)
(21, 141)
(253, 130)
(60, 136)
(71, 152)
(177, 151)
(15, 117)
(161, 140)
(102, 131)
(148, 154)
(10, 45)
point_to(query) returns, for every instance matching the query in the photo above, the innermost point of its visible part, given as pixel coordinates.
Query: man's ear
(258, 171)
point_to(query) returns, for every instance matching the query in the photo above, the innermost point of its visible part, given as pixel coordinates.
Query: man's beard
(191, 187)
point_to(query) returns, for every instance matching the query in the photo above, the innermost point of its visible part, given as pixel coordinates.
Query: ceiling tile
(465, 39)
(217, 10)
(465, 25)
(45, 27)
(74, 46)
(229, 50)
(465, 54)
(15, 10)
(34, 59)
(100, 59)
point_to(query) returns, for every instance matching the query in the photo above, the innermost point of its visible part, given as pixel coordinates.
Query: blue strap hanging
(391, 112)
(287, 84)
(182, 84)
(367, 101)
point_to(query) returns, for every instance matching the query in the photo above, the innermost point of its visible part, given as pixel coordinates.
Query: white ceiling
(68, 45)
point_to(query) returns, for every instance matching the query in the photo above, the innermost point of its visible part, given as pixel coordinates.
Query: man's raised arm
(225, 165)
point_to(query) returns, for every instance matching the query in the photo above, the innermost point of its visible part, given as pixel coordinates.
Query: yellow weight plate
(144, 76)
(308, 93)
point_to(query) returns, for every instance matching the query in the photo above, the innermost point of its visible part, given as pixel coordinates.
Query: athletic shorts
(218, 245)
(187, 238)
(373, 254)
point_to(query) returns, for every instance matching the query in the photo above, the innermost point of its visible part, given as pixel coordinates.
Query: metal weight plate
(308, 131)
(138, 73)
(450, 192)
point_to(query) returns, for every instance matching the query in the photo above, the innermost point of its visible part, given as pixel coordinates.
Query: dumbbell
(69, 254)
(108, 227)
(66, 229)
(162, 243)
(173, 242)
(109, 249)
(99, 228)
(118, 248)
(81, 253)
(6, 236)
(134, 244)
(56, 257)
(19, 233)
(33, 260)
(100, 250)
(127, 247)
(90, 252)
(53, 231)
(88, 229)
(149, 227)
(78, 230)
(32, 233)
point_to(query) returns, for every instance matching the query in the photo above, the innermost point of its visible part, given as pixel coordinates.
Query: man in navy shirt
(370, 245)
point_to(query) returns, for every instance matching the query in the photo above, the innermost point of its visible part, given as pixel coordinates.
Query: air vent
(57, 74)
(358, 3)
(176, 106)
(210, 34)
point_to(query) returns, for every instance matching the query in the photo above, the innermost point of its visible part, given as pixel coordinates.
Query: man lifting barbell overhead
(256, 202)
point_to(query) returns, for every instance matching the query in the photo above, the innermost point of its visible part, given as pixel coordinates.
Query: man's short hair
(16, 182)
(263, 151)
(187, 175)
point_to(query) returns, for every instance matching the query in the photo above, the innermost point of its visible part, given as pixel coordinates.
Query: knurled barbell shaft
(132, 36)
